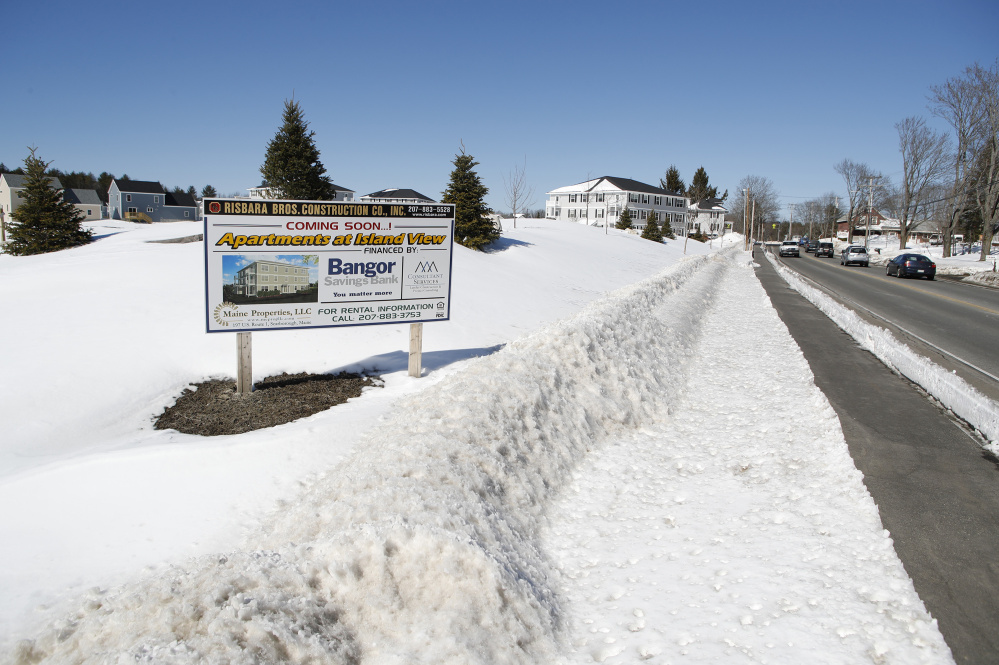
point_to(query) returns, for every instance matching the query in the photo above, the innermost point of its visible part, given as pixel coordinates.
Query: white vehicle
(789, 248)
(855, 254)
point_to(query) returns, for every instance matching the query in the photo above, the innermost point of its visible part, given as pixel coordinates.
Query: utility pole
(870, 212)
(745, 219)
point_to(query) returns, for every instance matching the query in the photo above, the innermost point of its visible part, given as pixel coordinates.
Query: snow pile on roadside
(951, 390)
(985, 277)
(423, 546)
(738, 530)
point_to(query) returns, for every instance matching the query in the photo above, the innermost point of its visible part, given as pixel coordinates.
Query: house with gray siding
(146, 201)
(12, 195)
(87, 201)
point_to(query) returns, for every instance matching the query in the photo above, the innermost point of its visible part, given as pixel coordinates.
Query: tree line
(949, 178)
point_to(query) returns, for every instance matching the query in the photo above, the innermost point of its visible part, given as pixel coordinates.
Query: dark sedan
(911, 265)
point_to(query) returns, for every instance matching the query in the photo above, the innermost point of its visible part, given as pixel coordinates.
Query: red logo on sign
(214, 207)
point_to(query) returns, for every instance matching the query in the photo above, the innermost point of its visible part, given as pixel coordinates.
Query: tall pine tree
(651, 230)
(673, 183)
(44, 222)
(700, 189)
(472, 226)
(291, 166)
(624, 220)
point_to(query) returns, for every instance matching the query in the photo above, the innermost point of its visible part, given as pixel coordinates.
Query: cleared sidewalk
(738, 529)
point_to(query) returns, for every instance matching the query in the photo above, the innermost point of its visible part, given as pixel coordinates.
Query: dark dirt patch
(214, 408)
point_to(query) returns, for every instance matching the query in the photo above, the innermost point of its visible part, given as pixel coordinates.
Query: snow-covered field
(590, 470)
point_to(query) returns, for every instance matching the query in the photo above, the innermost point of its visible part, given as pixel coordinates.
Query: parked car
(789, 248)
(856, 255)
(812, 246)
(825, 249)
(911, 265)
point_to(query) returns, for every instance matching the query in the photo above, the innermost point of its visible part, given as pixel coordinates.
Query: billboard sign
(278, 265)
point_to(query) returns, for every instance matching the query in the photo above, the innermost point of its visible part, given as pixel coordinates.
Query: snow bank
(951, 390)
(423, 547)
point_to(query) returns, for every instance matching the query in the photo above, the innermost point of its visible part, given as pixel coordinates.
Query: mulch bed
(213, 408)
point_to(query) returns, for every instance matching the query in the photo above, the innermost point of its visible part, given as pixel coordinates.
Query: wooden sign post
(244, 366)
(415, 349)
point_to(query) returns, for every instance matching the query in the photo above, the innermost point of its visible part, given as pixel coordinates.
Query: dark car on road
(911, 265)
(812, 246)
(856, 255)
(825, 249)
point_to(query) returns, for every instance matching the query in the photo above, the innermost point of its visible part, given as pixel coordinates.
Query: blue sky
(189, 93)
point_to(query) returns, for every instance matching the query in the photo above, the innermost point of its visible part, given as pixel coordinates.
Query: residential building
(393, 195)
(87, 201)
(264, 192)
(602, 200)
(707, 217)
(11, 195)
(262, 276)
(146, 201)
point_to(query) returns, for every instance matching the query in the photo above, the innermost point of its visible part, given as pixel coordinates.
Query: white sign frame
(290, 265)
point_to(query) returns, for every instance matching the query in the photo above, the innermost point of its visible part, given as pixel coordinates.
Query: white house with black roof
(707, 217)
(394, 195)
(265, 192)
(602, 200)
(146, 201)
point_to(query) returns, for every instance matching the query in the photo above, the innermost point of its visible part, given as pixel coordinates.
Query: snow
(589, 470)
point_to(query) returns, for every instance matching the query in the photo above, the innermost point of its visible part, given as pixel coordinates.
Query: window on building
(187, 213)
(600, 198)
(128, 197)
(632, 197)
(572, 212)
(583, 198)
(572, 198)
(659, 200)
(156, 199)
(149, 208)
(583, 212)
(645, 198)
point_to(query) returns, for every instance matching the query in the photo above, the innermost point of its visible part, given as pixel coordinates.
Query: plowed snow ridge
(427, 545)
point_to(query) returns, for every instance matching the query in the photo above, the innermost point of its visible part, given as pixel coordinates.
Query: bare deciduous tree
(987, 180)
(519, 194)
(925, 158)
(856, 175)
(958, 101)
(758, 190)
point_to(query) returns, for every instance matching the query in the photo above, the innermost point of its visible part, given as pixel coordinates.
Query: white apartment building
(707, 217)
(271, 276)
(602, 200)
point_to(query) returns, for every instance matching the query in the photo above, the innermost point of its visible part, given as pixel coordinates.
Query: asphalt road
(958, 318)
(937, 492)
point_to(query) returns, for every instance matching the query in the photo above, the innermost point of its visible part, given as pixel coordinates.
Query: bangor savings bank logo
(225, 311)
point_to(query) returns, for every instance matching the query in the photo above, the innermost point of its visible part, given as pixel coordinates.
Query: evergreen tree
(208, 192)
(624, 220)
(673, 183)
(651, 230)
(667, 230)
(292, 165)
(103, 185)
(44, 222)
(472, 226)
(700, 189)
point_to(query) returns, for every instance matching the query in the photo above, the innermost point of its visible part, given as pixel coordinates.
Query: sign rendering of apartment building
(261, 276)
(602, 200)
